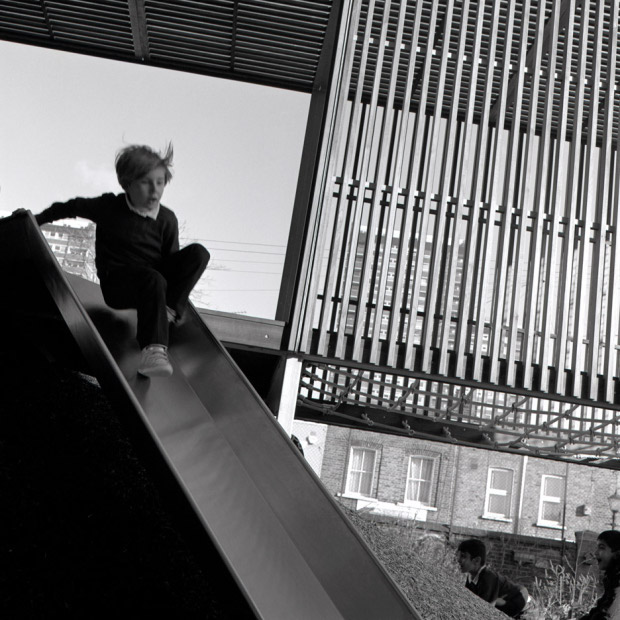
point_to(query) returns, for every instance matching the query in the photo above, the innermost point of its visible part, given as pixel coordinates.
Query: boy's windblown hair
(136, 160)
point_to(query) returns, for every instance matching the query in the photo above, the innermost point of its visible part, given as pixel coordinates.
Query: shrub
(562, 594)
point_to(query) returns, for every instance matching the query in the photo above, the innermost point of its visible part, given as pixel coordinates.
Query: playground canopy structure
(454, 242)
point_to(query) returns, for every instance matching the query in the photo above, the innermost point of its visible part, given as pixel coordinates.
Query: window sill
(368, 498)
(356, 496)
(398, 510)
(549, 526)
(491, 517)
(417, 506)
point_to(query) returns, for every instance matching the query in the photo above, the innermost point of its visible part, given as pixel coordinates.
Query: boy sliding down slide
(138, 259)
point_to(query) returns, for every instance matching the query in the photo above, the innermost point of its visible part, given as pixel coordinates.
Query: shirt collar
(152, 214)
(475, 578)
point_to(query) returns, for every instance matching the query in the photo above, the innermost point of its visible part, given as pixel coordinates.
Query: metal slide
(291, 550)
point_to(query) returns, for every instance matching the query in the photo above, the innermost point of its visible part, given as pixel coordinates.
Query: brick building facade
(460, 486)
(73, 247)
(531, 511)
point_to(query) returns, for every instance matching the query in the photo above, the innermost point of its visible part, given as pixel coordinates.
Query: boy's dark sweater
(123, 237)
(491, 586)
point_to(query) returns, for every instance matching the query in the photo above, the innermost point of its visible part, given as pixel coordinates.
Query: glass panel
(412, 490)
(498, 505)
(369, 466)
(499, 493)
(501, 479)
(552, 512)
(356, 460)
(427, 470)
(365, 484)
(554, 487)
(424, 492)
(354, 481)
(361, 471)
(419, 480)
(414, 468)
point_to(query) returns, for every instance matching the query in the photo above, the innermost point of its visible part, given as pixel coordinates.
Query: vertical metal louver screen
(465, 218)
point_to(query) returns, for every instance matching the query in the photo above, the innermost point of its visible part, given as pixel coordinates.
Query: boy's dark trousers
(150, 289)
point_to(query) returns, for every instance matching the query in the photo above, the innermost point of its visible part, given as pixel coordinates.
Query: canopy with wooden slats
(267, 42)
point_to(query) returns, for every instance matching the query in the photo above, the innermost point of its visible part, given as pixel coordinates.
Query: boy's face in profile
(467, 563)
(146, 192)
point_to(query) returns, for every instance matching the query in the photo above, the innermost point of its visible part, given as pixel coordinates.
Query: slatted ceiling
(292, 56)
(303, 42)
(21, 17)
(274, 60)
(258, 65)
(238, 37)
(197, 34)
(255, 41)
(71, 13)
(281, 14)
(263, 41)
(255, 38)
(84, 23)
(193, 46)
(73, 34)
(189, 29)
(25, 16)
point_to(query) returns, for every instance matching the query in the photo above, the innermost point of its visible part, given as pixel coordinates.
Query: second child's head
(607, 548)
(143, 174)
(471, 556)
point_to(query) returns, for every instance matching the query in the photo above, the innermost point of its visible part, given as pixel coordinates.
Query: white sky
(237, 152)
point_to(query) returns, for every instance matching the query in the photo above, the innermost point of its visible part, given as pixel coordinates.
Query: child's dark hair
(611, 579)
(611, 538)
(476, 549)
(134, 161)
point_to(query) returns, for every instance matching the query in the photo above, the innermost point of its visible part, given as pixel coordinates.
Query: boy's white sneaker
(155, 362)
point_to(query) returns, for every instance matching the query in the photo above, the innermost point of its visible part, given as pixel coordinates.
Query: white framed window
(420, 480)
(551, 508)
(498, 500)
(362, 463)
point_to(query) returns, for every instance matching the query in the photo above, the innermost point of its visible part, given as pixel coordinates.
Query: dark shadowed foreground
(86, 533)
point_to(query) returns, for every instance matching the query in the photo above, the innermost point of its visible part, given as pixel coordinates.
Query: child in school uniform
(138, 260)
(608, 558)
(509, 597)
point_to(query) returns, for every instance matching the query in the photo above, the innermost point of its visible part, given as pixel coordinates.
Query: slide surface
(289, 547)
